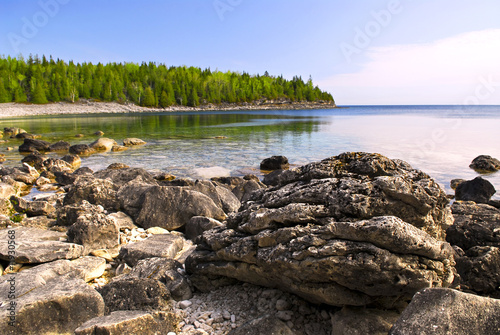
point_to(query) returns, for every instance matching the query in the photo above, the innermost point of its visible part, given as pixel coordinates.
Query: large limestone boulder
(444, 311)
(81, 150)
(168, 207)
(350, 230)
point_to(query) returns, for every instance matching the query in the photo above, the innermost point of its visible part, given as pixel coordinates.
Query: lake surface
(440, 140)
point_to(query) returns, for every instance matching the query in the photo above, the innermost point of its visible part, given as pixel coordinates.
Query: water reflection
(441, 140)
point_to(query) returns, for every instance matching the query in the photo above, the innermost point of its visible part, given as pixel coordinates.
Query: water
(440, 140)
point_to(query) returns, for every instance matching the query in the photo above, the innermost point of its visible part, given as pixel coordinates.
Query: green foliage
(38, 95)
(148, 84)
(149, 98)
(4, 94)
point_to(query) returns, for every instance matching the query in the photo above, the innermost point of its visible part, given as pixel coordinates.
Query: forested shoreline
(41, 80)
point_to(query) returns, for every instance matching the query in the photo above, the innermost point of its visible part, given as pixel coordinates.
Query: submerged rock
(274, 163)
(103, 144)
(485, 164)
(60, 146)
(133, 141)
(81, 150)
(31, 145)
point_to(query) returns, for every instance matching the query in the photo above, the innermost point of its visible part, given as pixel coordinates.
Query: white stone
(185, 304)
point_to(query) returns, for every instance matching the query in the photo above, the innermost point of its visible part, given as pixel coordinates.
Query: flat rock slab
(444, 311)
(131, 322)
(58, 307)
(163, 245)
(35, 245)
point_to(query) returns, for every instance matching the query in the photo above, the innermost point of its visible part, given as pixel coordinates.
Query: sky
(371, 52)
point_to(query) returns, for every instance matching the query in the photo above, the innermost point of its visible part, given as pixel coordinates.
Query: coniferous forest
(45, 80)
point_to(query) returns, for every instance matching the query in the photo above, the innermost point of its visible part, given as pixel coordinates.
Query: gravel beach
(90, 107)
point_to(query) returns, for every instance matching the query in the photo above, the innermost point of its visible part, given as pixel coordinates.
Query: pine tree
(149, 98)
(193, 100)
(4, 95)
(20, 95)
(38, 96)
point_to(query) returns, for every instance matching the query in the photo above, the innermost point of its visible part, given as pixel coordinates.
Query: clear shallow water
(440, 140)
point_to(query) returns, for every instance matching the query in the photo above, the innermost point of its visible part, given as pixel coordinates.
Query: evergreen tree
(20, 95)
(40, 80)
(149, 98)
(38, 96)
(193, 100)
(4, 95)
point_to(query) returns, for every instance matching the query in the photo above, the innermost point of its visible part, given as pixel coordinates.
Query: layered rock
(320, 233)
(36, 245)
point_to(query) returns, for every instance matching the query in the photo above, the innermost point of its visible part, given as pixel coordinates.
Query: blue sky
(363, 52)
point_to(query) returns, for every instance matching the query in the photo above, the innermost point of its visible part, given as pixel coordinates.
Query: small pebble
(185, 304)
(284, 315)
(282, 305)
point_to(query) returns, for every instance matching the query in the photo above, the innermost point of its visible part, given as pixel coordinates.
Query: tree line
(45, 80)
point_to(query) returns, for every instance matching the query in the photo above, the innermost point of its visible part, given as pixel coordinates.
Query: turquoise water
(440, 140)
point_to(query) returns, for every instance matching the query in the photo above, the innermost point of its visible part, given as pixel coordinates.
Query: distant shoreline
(11, 109)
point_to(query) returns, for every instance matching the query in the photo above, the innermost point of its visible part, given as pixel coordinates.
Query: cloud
(447, 71)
